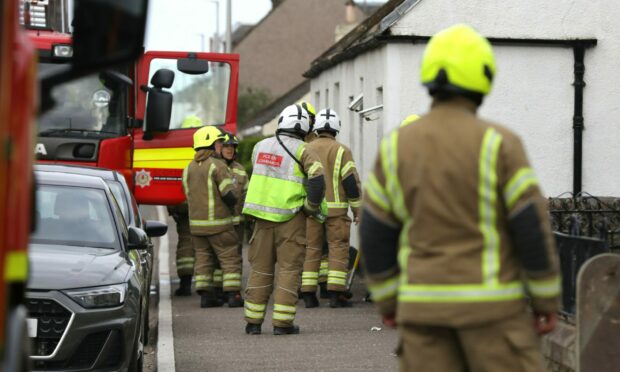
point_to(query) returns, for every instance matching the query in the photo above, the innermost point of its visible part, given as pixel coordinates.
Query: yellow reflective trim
(336, 281)
(163, 158)
(231, 283)
(237, 219)
(439, 293)
(336, 175)
(324, 264)
(384, 290)
(16, 266)
(203, 223)
(227, 182)
(284, 308)
(376, 193)
(389, 160)
(347, 167)
(310, 274)
(337, 273)
(253, 314)
(232, 276)
(184, 180)
(315, 166)
(185, 259)
(518, 184)
(309, 282)
(337, 205)
(255, 307)
(355, 204)
(185, 266)
(281, 316)
(487, 205)
(210, 191)
(546, 288)
(240, 172)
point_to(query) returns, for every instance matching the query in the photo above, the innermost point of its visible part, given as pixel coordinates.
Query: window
(203, 95)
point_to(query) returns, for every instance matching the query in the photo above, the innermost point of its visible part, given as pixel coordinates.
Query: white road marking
(165, 339)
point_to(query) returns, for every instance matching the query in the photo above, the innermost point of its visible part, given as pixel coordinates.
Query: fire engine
(139, 118)
(98, 43)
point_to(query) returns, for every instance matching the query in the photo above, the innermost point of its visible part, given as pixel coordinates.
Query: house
(276, 51)
(557, 75)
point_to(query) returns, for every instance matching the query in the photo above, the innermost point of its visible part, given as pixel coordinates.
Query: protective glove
(389, 320)
(545, 323)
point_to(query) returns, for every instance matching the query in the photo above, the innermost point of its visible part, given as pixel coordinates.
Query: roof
(68, 179)
(106, 174)
(364, 37)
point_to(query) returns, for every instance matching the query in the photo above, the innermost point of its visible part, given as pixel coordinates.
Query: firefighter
(240, 180)
(342, 190)
(211, 197)
(311, 136)
(287, 184)
(454, 229)
(180, 213)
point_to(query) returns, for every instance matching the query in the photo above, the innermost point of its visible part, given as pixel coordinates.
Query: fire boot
(338, 299)
(323, 290)
(253, 329)
(292, 330)
(207, 299)
(234, 299)
(220, 296)
(185, 289)
(310, 300)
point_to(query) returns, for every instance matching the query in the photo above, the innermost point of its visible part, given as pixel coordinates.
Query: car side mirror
(155, 229)
(137, 238)
(159, 102)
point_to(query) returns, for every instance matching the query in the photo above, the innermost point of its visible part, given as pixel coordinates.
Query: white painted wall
(533, 93)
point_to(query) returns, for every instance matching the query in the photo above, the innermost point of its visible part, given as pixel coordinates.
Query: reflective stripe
(237, 219)
(336, 175)
(460, 293)
(163, 158)
(220, 222)
(283, 316)
(376, 193)
(487, 205)
(518, 184)
(255, 307)
(284, 308)
(16, 266)
(315, 166)
(310, 282)
(184, 179)
(185, 259)
(253, 314)
(310, 274)
(337, 281)
(545, 288)
(389, 160)
(185, 266)
(272, 209)
(355, 204)
(240, 172)
(231, 283)
(212, 169)
(385, 289)
(337, 274)
(227, 182)
(337, 205)
(347, 167)
(232, 276)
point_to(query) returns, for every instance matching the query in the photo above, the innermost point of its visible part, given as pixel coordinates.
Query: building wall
(533, 92)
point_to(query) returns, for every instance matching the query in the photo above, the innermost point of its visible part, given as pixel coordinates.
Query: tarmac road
(330, 339)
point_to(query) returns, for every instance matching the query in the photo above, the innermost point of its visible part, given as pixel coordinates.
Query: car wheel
(137, 357)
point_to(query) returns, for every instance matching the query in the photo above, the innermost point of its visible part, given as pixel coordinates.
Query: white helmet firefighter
(294, 119)
(327, 120)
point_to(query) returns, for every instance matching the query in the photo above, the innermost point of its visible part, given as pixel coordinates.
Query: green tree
(250, 102)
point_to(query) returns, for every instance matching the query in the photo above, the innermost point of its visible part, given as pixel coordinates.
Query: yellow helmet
(192, 121)
(409, 119)
(206, 136)
(460, 60)
(311, 113)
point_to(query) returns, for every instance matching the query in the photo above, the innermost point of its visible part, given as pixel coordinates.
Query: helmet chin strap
(301, 166)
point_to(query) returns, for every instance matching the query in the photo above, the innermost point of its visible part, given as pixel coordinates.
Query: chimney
(349, 10)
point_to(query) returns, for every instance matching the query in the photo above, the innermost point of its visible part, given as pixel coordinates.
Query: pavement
(349, 339)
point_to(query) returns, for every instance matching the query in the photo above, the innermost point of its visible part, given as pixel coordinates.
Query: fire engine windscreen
(93, 106)
(204, 95)
(74, 216)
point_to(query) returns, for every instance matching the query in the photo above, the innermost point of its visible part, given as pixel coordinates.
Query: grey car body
(67, 333)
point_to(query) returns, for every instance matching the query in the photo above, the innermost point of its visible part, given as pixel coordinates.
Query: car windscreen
(74, 216)
(119, 194)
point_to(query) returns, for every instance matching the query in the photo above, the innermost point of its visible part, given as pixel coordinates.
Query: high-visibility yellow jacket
(472, 228)
(205, 180)
(240, 183)
(277, 190)
(338, 165)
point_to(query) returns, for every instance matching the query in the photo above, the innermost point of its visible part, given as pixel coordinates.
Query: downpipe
(579, 52)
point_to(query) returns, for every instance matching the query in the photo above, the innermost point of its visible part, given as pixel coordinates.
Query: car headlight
(96, 297)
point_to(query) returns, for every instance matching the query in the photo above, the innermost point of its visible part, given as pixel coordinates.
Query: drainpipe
(579, 52)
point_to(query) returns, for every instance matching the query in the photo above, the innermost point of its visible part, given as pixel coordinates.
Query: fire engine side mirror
(159, 102)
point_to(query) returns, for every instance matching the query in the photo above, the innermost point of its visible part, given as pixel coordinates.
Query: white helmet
(327, 120)
(294, 119)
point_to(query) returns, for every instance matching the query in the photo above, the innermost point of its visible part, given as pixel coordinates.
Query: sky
(187, 25)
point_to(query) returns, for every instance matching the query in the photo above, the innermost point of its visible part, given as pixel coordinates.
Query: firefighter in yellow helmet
(454, 230)
(311, 119)
(287, 184)
(240, 180)
(211, 197)
(185, 250)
